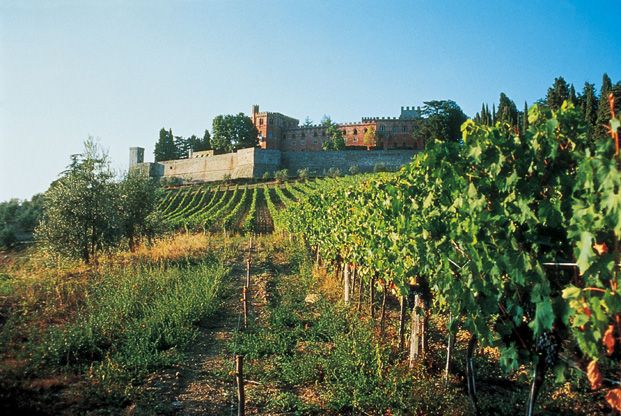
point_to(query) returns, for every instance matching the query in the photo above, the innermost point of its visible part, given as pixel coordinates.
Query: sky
(119, 71)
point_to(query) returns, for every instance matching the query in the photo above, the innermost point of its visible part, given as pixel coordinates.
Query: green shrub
(281, 175)
(334, 172)
(354, 170)
(303, 173)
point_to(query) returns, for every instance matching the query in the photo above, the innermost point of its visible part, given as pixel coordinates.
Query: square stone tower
(136, 156)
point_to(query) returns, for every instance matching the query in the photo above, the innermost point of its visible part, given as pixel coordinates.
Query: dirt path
(205, 383)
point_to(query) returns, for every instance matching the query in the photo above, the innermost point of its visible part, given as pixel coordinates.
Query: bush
(266, 176)
(170, 181)
(226, 178)
(303, 173)
(354, 170)
(379, 167)
(8, 238)
(281, 175)
(334, 172)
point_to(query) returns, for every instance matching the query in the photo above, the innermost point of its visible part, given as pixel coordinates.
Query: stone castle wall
(319, 162)
(254, 163)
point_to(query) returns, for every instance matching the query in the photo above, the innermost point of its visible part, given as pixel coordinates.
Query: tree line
(18, 219)
(593, 107)
(230, 132)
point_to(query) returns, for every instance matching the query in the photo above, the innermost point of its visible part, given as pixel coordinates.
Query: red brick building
(277, 131)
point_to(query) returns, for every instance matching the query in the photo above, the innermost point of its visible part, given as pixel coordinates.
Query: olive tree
(79, 209)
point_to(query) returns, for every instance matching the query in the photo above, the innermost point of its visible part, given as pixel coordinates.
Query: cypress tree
(589, 105)
(557, 93)
(165, 148)
(493, 114)
(603, 112)
(572, 94)
(525, 118)
(507, 111)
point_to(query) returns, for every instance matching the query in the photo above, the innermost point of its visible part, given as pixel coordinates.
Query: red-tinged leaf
(587, 311)
(609, 339)
(600, 248)
(613, 397)
(594, 375)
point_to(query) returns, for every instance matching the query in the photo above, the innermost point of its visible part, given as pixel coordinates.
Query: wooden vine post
(417, 338)
(245, 305)
(239, 378)
(402, 312)
(414, 333)
(449, 353)
(346, 282)
(372, 298)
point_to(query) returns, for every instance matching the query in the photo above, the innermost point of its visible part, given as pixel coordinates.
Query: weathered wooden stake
(245, 304)
(354, 275)
(449, 353)
(414, 337)
(402, 309)
(248, 272)
(383, 313)
(346, 281)
(472, 387)
(360, 286)
(239, 378)
(372, 298)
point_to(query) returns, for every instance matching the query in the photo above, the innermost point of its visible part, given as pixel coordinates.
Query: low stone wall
(320, 162)
(254, 162)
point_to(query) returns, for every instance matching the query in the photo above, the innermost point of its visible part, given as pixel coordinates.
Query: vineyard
(512, 238)
(482, 278)
(248, 208)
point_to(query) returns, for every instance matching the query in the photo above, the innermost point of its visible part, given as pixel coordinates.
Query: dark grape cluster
(547, 346)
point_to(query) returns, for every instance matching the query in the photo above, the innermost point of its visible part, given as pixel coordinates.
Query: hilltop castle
(278, 131)
(284, 144)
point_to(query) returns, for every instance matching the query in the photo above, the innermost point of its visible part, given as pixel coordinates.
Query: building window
(382, 128)
(355, 132)
(405, 129)
(260, 122)
(315, 140)
(365, 129)
(315, 134)
(323, 133)
(394, 129)
(270, 121)
(270, 135)
(355, 139)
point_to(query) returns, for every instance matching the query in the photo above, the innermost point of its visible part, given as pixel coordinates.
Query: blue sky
(119, 71)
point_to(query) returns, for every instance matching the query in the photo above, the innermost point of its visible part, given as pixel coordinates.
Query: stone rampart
(320, 162)
(255, 162)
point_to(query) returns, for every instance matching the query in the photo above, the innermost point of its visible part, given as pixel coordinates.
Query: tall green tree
(137, 195)
(603, 110)
(232, 132)
(165, 148)
(79, 210)
(307, 122)
(572, 94)
(441, 120)
(589, 104)
(507, 110)
(557, 93)
(335, 138)
(525, 119)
